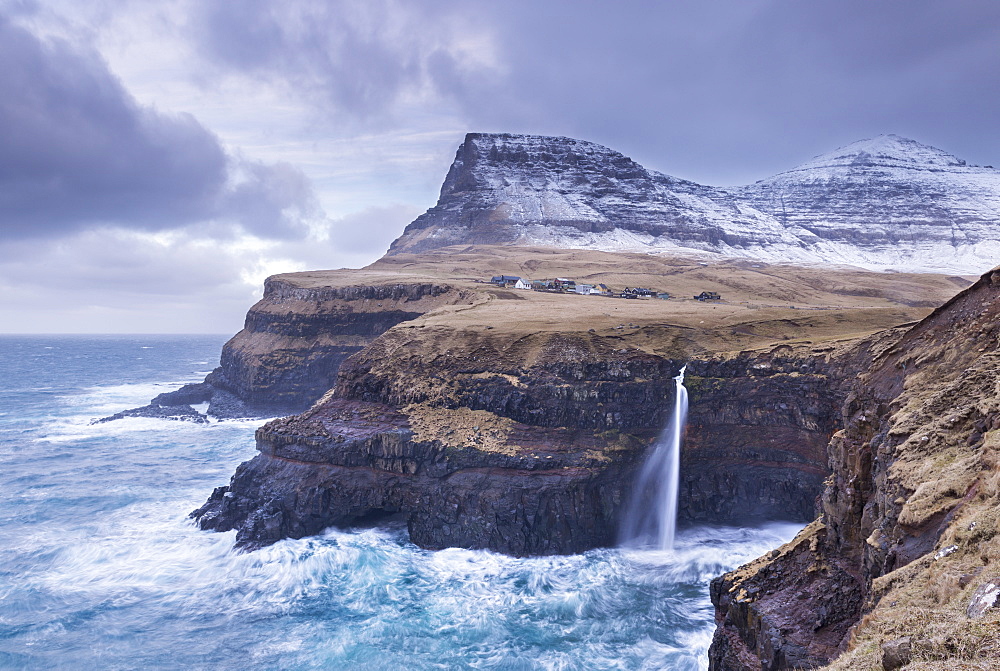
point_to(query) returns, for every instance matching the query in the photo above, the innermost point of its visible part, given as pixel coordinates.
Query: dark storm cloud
(271, 200)
(356, 57)
(731, 91)
(78, 151)
(719, 90)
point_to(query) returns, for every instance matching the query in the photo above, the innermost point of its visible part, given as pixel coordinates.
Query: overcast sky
(159, 159)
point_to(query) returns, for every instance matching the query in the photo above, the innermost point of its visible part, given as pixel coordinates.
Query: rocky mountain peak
(882, 203)
(884, 151)
(500, 160)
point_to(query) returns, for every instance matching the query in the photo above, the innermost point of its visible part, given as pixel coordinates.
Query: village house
(563, 284)
(637, 292)
(506, 280)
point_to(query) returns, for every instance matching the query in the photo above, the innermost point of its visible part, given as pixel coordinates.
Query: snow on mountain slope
(885, 203)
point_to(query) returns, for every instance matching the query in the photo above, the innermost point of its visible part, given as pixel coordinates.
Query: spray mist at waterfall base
(100, 568)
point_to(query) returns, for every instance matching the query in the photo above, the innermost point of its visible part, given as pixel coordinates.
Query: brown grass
(762, 305)
(461, 427)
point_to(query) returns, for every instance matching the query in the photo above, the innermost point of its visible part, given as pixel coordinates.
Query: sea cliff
(530, 459)
(515, 421)
(894, 568)
(297, 336)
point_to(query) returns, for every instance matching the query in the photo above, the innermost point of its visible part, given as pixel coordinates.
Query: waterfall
(651, 517)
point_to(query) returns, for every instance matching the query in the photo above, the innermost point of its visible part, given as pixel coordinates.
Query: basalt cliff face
(515, 420)
(531, 447)
(296, 338)
(897, 568)
(758, 427)
(887, 202)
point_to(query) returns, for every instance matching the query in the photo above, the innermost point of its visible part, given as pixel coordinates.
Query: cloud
(722, 91)
(78, 151)
(116, 280)
(371, 231)
(272, 200)
(728, 91)
(364, 62)
(110, 279)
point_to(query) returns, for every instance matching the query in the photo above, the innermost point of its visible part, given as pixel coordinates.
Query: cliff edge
(896, 570)
(514, 420)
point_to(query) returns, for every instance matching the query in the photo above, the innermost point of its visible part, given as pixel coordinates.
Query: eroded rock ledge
(503, 485)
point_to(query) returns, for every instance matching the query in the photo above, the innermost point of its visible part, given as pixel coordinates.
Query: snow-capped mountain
(888, 203)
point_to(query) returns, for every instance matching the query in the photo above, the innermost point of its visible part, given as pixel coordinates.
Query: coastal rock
(189, 394)
(179, 412)
(786, 611)
(908, 515)
(512, 489)
(473, 447)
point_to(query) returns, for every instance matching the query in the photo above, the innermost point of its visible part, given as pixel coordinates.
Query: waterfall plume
(651, 517)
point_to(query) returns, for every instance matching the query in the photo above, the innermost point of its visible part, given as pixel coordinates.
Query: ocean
(101, 568)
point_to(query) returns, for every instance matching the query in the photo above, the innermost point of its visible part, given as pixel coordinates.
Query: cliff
(528, 447)
(896, 570)
(297, 336)
(514, 420)
(887, 202)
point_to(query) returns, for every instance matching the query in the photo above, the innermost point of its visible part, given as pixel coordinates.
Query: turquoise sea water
(100, 567)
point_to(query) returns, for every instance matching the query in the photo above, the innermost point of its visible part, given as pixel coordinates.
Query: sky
(159, 159)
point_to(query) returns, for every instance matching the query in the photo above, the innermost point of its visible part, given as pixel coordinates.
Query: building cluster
(563, 285)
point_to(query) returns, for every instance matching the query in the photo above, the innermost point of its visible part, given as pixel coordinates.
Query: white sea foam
(149, 554)
(103, 569)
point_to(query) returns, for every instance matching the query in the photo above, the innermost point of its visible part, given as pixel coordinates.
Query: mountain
(885, 203)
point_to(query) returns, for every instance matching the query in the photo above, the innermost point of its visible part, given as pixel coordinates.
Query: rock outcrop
(908, 519)
(888, 202)
(531, 446)
(296, 338)
(294, 341)
(559, 393)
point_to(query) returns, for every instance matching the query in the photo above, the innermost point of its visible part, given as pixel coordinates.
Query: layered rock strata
(531, 446)
(758, 427)
(909, 524)
(887, 202)
(505, 486)
(295, 339)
